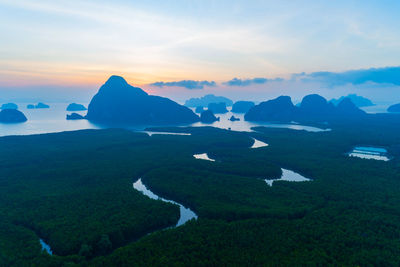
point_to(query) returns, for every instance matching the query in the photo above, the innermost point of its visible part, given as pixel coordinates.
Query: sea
(53, 119)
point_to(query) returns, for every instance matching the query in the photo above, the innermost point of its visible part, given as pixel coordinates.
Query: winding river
(186, 214)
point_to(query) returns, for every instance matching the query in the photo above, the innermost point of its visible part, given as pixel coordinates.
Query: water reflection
(150, 133)
(245, 126)
(258, 143)
(203, 156)
(48, 120)
(288, 175)
(369, 153)
(53, 120)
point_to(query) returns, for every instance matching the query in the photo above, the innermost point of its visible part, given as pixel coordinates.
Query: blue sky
(78, 44)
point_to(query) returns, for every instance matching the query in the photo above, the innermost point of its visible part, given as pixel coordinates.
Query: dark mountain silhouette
(9, 106)
(199, 109)
(394, 108)
(42, 105)
(119, 102)
(233, 118)
(278, 109)
(75, 116)
(347, 109)
(12, 116)
(76, 107)
(217, 108)
(313, 108)
(242, 106)
(359, 101)
(208, 117)
(39, 105)
(207, 99)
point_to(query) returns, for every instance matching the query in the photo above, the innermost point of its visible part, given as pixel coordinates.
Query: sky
(243, 49)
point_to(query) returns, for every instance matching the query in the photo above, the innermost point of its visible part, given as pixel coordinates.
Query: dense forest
(74, 190)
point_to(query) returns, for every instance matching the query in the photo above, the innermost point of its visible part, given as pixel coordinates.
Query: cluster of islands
(119, 102)
(11, 114)
(174, 194)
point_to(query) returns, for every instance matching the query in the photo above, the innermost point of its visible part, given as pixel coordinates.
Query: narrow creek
(186, 214)
(45, 246)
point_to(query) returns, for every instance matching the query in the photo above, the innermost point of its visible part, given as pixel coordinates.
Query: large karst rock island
(119, 102)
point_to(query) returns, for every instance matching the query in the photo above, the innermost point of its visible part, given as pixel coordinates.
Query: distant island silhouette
(76, 107)
(218, 108)
(75, 116)
(38, 105)
(12, 116)
(313, 108)
(242, 106)
(359, 101)
(9, 106)
(278, 109)
(394, 108)
(207, 99)
(208, 117)
(199, 109)
(233, 118)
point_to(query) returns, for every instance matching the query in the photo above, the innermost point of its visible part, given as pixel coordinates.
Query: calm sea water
(379, 108)
(245, 126)
(47, 120)
(53, 120)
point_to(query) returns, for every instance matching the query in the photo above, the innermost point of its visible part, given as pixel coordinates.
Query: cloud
(246, 82)
(188, 84)
(386, 75)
